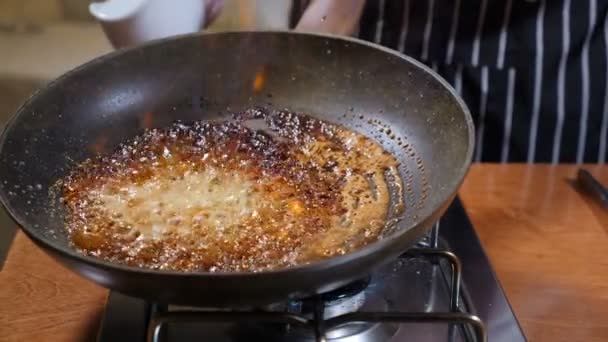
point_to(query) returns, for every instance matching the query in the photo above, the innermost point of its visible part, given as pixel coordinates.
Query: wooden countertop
(548, 245)
(546, 242)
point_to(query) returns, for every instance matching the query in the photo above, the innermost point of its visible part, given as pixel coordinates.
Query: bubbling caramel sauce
(262, 191)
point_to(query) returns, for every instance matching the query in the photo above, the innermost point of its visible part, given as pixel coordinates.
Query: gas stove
(444, 289)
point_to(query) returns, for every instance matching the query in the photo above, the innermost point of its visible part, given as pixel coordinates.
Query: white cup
(131, 22)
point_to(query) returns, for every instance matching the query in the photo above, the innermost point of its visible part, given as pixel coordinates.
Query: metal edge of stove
(489, 301)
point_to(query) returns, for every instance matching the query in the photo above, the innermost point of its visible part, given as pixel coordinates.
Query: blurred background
(41, 39)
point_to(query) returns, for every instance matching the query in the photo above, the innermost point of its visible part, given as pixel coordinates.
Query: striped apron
(533, 72)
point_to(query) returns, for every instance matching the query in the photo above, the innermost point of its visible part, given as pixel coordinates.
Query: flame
(147, 120)
(259, 80)
(99, 146)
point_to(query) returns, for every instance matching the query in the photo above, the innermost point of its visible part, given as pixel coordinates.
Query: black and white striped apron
(533, 72)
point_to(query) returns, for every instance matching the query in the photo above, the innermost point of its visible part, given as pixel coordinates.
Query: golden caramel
(262, 191)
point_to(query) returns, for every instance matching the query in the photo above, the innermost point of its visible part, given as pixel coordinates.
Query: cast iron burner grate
(427, 294)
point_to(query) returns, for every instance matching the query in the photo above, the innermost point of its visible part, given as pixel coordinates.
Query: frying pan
(362, 86)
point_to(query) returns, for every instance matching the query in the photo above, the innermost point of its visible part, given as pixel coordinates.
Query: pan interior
(267, 190)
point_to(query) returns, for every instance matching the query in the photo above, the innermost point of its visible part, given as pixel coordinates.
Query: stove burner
(351, 332)
(340, 305)
(347, 299)
(346, 291)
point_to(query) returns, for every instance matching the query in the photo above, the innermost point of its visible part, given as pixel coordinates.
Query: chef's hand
(339, 17)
